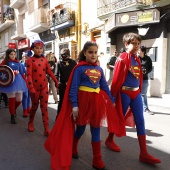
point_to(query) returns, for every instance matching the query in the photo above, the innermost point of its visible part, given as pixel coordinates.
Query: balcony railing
(65, 14)
(104, 9)
(9, 14)
(38, 20)
(59, 18)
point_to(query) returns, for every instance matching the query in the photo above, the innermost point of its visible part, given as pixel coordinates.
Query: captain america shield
(6, 76)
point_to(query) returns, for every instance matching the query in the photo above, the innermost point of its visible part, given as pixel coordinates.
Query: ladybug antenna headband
(37, 43)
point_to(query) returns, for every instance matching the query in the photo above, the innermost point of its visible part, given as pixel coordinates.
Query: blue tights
(95, 132)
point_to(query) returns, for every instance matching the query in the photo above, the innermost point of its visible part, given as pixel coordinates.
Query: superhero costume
(26, 97)
(60, 141)
(37, 67)
(18, 86)
(126, 85)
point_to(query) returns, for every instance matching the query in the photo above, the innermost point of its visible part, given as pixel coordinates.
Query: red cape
(59, 142)
(121, 68)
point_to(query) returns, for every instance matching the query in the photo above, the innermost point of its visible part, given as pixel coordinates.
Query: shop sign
(12, 45)
(137, 17)
(25, 43)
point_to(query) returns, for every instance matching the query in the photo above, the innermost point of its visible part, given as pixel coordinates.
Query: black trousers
(4, 97)
(62, 88)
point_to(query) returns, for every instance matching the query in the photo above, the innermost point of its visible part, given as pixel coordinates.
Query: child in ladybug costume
(37, 68)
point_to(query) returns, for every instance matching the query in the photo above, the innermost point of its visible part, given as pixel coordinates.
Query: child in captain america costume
(37, 68)
(126, 86)
(87, 100)
(15, 90)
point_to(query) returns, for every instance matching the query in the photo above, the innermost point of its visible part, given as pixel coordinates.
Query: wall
(157, 86)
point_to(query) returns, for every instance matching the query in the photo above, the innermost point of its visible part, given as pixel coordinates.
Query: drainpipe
(79, 26)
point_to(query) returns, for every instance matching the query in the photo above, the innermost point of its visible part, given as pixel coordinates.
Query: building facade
(70, 24)
(150, 19)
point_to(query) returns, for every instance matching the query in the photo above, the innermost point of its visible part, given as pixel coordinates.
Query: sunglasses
(64, 55)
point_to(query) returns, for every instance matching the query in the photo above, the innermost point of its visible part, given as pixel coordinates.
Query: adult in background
(110, 65)
(64, 68)
(50, 80)
(146, 63)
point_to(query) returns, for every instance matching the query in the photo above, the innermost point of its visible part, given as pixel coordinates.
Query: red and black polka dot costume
(37, 68)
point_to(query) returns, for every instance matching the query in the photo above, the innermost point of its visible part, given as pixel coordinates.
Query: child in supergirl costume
(126, 86)
(89, 101)
(15, 90)
(37, 68)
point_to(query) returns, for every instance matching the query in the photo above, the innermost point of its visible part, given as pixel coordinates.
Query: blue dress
(18, 84)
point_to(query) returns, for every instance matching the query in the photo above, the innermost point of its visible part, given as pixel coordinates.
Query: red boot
(12, 110)
(17, 104)
(46, 129)
(97, 158)
(28, 109)
(31, 121)
(111, 144)
(75, 150)
(25, 113)
(144, 155)
(30, 126)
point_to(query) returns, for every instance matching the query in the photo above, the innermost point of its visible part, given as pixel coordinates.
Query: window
(152, 53)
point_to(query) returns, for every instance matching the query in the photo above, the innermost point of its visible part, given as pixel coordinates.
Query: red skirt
(95, 109)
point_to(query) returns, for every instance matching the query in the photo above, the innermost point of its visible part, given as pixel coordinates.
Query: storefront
(156, 39)
(23, 46)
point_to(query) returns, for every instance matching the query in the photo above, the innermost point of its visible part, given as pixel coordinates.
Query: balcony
(61, 19)
(8, 20)
(16, 3)
(38, 21)
(64, 17)
(105, 10)
(18, 37)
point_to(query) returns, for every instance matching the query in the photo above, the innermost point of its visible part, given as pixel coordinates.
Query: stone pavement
(23, 150)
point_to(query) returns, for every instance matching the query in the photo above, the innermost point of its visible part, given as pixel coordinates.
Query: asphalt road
(23, 150)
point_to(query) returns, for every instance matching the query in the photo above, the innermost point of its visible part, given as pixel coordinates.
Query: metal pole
(79, 26)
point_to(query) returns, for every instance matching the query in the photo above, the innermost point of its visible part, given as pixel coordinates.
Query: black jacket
(146, 63)
(112, 61)
(64, 69)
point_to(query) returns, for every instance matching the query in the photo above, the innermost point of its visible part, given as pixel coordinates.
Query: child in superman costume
(37, 68)
(126, 86)
(87, 100)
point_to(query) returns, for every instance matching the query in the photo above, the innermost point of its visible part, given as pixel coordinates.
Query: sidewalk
(23, 150)
(160, 103)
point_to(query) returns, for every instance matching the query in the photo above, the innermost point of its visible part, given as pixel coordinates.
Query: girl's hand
(75, 111)
(16, 72)
(114, 104)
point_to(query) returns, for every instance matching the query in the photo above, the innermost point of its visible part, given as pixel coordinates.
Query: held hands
(52, 67)
(32, 92)
(75, 111)
(16, 72)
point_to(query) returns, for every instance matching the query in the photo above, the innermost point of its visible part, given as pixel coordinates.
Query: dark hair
(65, 51)
(143, 49)
(130, 36)
(8, 51)
(88, 44)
